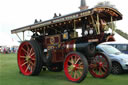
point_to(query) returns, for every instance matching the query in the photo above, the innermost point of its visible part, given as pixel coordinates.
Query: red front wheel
(29, 58)
(75, 67)
(100, 66)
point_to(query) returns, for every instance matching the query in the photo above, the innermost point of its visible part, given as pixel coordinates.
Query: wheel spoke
(100, 70)
(105, 66)
(27, 68)
(81, 67)
(32, 63)
(24, 50)
(24, 63)
(78, 75)
(104, 69)
(33, 59)
(72, 61)
(31, 68)
(80, 72)
(77, 60)
(92, 66)
(27, 49)
(30, 51)
(70, 70)
(22, 56)
(71, 73)
(80, 63)
(75, 74)
(32, 54)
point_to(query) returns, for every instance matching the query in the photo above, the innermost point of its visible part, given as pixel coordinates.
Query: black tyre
(116, 68)
(30, 58)
(75, 67)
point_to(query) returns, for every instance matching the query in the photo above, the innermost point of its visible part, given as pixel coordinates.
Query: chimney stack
(83, 5)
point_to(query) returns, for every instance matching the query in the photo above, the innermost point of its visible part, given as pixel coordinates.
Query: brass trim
(74, 47)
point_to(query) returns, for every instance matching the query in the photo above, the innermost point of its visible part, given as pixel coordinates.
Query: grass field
(9, 75)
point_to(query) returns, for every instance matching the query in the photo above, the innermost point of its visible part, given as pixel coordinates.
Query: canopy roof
(104, 12)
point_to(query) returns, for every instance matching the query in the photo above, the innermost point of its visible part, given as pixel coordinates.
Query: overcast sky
(18, 13)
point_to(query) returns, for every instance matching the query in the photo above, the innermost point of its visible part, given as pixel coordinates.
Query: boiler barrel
(88, 49)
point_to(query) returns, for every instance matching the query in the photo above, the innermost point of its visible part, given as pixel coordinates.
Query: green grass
(9, 75)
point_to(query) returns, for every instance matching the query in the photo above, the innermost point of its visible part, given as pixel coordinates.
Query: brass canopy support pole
(18, 37)
(112, 25)
(75, 28)
(93, 22)
(98, 24)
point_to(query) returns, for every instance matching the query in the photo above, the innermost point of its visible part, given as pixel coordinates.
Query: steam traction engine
(69, 42)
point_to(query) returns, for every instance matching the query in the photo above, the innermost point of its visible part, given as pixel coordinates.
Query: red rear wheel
(75, 67)
(28, 58)
(100, 66)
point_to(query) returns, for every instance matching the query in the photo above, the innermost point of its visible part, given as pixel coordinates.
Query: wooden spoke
(93, 65)
(71, 73)
(104, 68)
(24, 63)
(95, 70)
(33, 59)
(100, 71)
(77, 60)
(30, 51)
(72, 61)
(27, 68)
(31, 68)
(27, 49)
(105, 65)
(80, 72)
(32, 54)
(80, 67)
(22, 56)
(80, 63)
(75, 74)
(70, 70)
(24, 50)
(32, 63)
